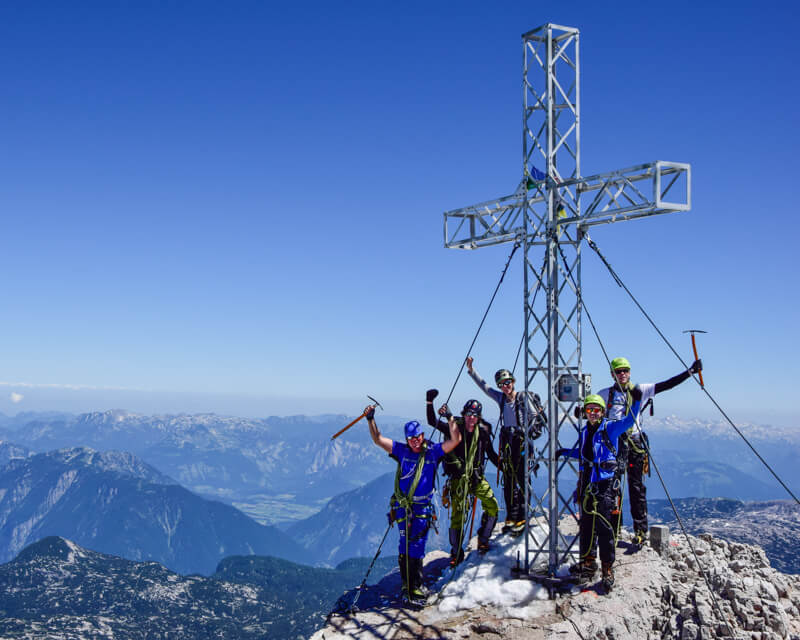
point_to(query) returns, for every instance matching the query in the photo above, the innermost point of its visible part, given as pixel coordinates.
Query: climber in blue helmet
(411, 504)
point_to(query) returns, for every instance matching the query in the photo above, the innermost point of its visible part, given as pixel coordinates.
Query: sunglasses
(593, 410)
(622, 370)
(507, 383)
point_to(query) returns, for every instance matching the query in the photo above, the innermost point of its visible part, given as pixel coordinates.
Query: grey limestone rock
(656, 597)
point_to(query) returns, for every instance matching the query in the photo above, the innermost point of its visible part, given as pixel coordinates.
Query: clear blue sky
(238, 206)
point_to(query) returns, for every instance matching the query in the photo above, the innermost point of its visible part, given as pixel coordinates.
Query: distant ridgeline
(114, 503)
(247, 597)
(285, 462)
(125, 496)
(279, 469)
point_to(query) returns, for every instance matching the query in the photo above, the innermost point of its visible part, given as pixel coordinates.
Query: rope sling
(460, 486)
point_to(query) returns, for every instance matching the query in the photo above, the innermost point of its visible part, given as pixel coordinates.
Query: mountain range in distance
(281, 470)
(128, 508)
(113, 502)
(218, 459)
(275, 469)
(56, 588)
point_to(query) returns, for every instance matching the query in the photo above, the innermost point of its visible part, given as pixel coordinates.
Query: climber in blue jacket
(411, 504)
(598, 485)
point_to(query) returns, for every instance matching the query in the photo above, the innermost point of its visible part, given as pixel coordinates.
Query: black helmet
(473, 407)
(503, 375)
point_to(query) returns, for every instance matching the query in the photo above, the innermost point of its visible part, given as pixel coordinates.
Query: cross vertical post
(546, 212)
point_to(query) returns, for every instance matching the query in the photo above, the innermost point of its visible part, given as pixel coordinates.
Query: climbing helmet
(472, 408)
(501, 376)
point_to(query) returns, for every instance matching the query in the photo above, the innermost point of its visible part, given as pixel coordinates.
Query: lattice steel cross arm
(644, 190)
(484, 224)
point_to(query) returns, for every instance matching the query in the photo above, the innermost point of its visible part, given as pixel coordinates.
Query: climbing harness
(591, 492)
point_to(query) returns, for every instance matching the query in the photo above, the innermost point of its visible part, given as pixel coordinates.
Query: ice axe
(341, 431)
(694, 347)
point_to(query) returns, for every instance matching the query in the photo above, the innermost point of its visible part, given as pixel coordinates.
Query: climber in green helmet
(633, 446)
(598, 485)
(517, 408)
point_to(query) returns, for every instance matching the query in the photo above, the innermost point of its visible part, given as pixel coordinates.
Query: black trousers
(597, 501)
(512, 454)
(634, 458)
(637, 491)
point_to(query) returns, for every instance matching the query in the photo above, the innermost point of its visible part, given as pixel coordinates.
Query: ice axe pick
(694, 347)
(341, 431)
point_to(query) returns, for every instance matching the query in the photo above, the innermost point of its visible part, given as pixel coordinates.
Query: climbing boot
(519, 528)
(418, 579)
(456, 552)
(507, 526)
(485, 532)
(417, 593)
(639, 539)
(404, 567)
(584, 571)
(608, 576)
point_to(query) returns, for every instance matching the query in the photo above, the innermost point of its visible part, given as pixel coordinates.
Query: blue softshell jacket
(602, 454)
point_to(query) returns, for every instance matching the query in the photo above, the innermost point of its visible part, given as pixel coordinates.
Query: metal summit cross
(554, 209)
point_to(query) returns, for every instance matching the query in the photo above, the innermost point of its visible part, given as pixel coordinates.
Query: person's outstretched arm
(382, 441)
(430, 414)
(674, 381)
(616, 428)
(494, 394)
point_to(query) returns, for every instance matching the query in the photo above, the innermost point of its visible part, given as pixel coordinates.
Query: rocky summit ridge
(656, 596)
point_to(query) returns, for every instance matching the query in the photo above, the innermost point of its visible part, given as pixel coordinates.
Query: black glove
(560, 453)
(371, 413)
(430, 394)
(444, 410)
(577, 412)
(697, 366)
(636, 394)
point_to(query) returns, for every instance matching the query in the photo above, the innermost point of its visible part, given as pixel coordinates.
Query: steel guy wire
(677, 355)
(480, 326)
(647, 447)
